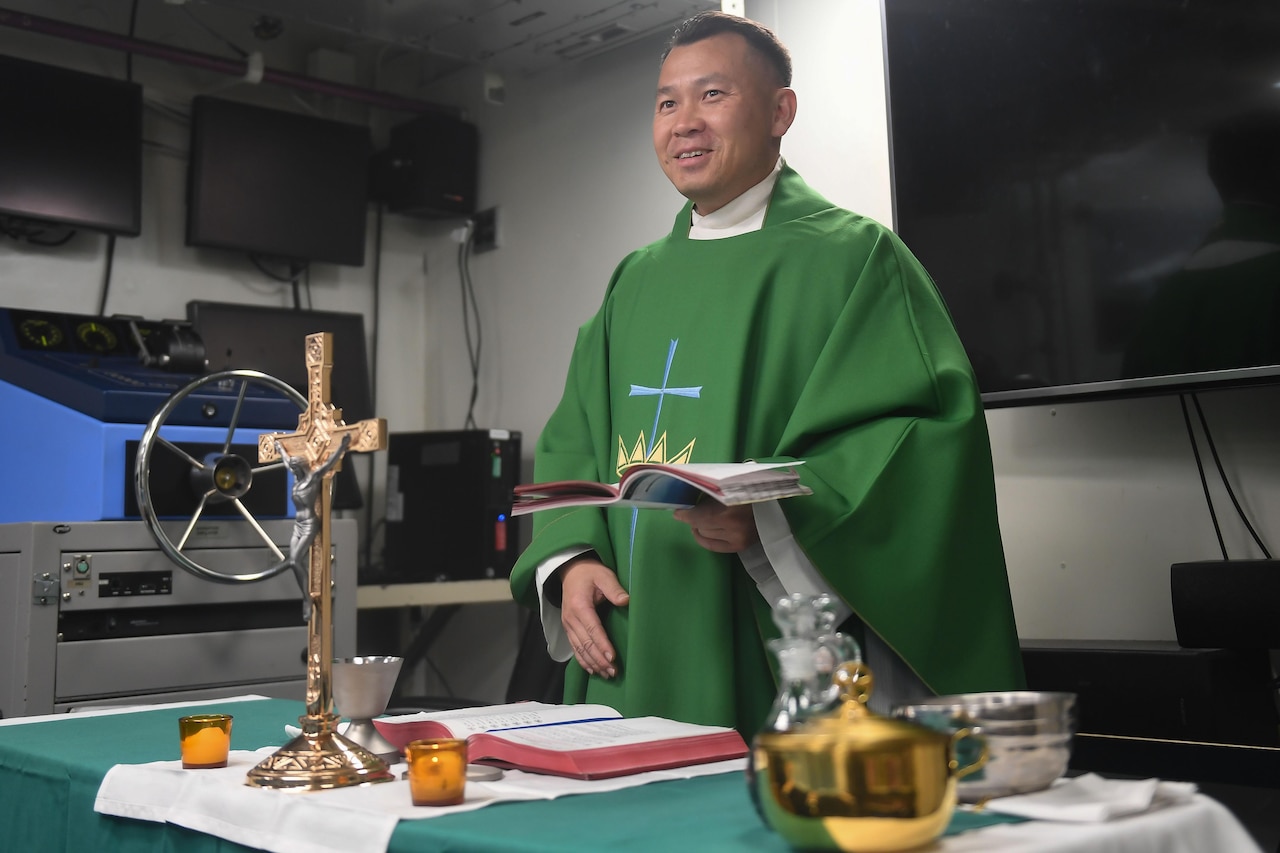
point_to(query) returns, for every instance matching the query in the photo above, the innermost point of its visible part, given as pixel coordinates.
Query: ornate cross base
(319, 759)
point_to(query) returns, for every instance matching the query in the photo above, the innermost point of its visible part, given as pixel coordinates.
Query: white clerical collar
(741, 216)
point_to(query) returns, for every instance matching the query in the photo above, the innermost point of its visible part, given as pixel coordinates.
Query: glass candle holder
(205, 739)
(437, 771)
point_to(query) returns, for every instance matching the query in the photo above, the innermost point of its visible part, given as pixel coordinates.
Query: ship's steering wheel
(217, 478)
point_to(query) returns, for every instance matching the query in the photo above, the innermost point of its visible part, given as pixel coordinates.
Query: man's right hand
(585, 584)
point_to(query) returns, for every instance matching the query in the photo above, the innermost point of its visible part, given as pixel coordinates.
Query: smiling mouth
(688, 155)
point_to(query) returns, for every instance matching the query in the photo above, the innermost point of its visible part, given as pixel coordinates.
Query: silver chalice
(362, 687)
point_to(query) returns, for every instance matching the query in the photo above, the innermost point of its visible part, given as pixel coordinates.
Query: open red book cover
(580, 741)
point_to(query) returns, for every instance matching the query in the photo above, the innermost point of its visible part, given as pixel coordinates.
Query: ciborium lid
(856, 726)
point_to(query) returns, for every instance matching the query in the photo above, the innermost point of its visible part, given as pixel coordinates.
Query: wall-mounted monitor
(70, 148)
(276, 184)
(1094, 186)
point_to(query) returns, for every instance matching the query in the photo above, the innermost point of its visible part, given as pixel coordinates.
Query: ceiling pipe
(209, 62)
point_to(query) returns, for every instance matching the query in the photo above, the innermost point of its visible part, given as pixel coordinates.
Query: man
(769, 325)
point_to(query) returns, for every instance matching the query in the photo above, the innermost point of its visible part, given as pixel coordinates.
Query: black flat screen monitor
(70, 148)
(1095, 187)
(272, 340)
(277, 184)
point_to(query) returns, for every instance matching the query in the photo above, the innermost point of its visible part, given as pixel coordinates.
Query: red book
(579, 741)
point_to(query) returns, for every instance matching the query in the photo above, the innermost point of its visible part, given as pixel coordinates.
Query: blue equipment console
(77, 391)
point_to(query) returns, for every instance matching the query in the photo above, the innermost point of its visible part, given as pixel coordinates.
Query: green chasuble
(821, 338)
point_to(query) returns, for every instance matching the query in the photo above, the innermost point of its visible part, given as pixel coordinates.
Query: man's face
(718, 119)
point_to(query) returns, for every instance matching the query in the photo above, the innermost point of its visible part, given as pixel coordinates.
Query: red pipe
(209, 62)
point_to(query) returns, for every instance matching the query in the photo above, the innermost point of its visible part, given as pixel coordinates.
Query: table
(370, 597)
(50, 771)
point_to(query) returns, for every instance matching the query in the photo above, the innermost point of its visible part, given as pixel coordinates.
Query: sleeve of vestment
(903, 520)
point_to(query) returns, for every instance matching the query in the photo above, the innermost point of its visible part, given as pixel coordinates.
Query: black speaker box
(1233, 604)
(429, 169)
(1159, 690)
(449, 506)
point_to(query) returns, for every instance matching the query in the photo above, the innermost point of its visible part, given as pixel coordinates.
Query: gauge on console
(39, 333)
(97, 337)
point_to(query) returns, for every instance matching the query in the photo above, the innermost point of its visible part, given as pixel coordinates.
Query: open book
(581, 741)
(653, 485)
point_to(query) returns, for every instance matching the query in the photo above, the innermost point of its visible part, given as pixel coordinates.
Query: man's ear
(784, 111)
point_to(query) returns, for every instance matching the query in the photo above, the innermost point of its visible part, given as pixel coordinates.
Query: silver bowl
(1006, 706)
(1028, 735)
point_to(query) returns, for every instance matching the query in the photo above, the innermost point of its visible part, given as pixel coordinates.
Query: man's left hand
(720, 528)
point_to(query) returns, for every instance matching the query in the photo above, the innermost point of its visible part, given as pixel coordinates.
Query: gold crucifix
(319, 757)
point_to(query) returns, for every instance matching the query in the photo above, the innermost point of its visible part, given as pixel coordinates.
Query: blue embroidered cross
(661, 393)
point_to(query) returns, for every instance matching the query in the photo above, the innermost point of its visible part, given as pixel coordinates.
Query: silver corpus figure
(307, 483)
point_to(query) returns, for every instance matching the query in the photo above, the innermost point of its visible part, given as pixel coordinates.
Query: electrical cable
(377, 305)
(1222, 475)
(31, 238)
(106, 275)
(18, 228)
(133, 28)
(469, 293)
(242, 53)
(373, 376)
(111, 238)
(462, 285)
(169, 112)
(292, 278)
(1204, 484)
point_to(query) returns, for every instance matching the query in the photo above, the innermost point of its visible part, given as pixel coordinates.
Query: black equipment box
(449, 506)
(1159, 690)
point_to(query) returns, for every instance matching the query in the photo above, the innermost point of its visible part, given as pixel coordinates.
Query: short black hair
(704, 25)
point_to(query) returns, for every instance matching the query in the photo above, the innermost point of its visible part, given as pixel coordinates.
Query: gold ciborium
(855, 781)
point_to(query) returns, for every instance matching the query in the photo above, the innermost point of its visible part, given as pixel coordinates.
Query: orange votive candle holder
(437, 771)
(206, 740)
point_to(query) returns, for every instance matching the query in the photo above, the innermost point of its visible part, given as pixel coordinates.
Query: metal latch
(45, 588)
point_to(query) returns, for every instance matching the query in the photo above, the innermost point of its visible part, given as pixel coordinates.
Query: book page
(725, 472)
(652, 485)
(467, 721)
(602, 734)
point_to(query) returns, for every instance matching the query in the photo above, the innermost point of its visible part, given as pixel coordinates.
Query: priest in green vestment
(769, 325)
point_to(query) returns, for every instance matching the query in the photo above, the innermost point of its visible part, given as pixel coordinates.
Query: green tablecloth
(50, 772)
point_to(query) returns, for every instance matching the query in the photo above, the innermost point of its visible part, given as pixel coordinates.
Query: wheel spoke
(235, 415)
(142, 474)
(253, 522)
(270, 466)
(191, 460)
(194, 518)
